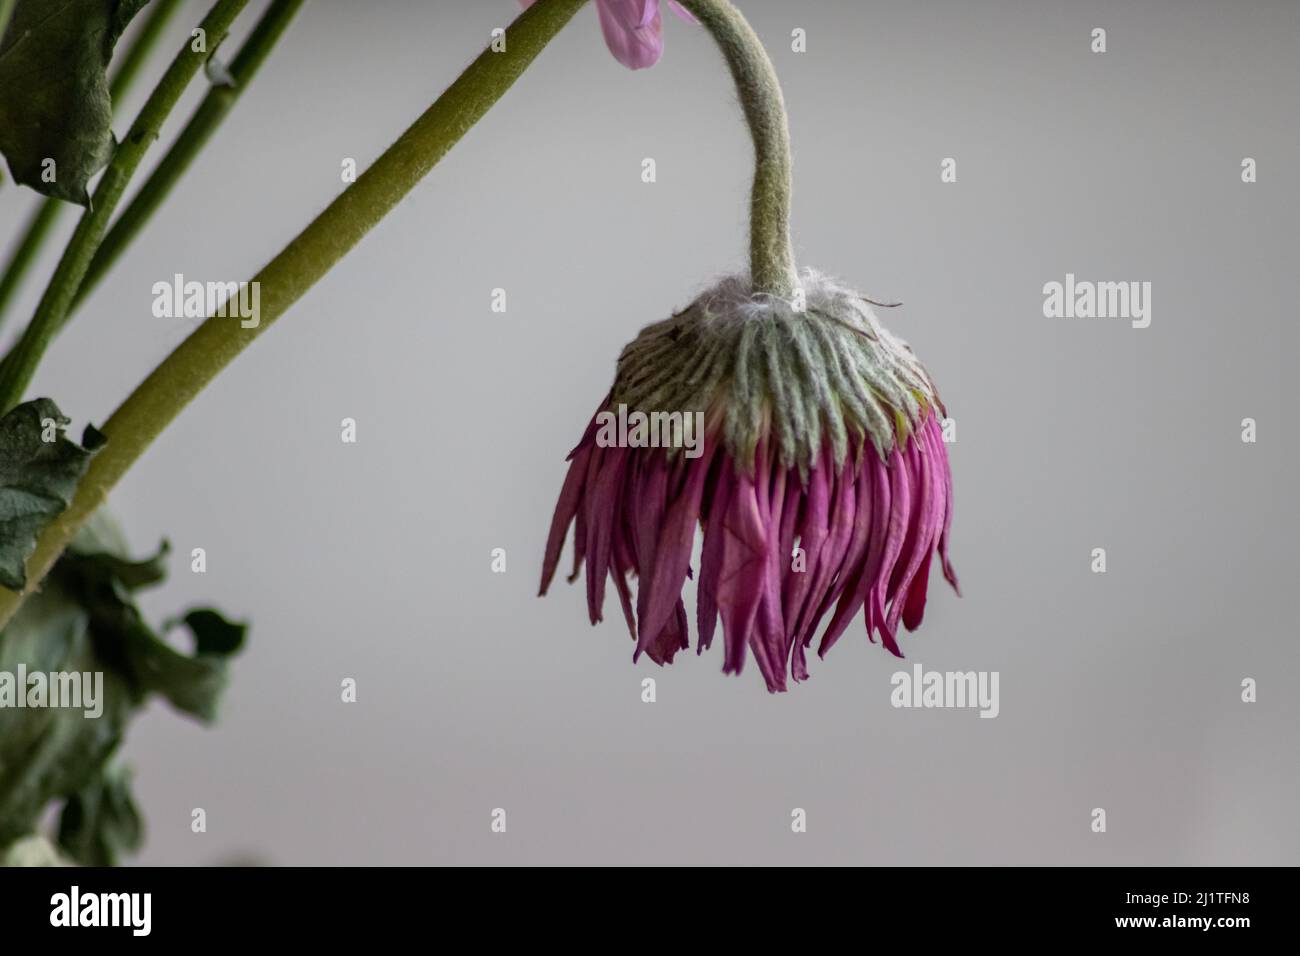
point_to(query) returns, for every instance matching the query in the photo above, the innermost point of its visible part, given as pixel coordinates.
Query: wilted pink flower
(822, 487)
(633, 29)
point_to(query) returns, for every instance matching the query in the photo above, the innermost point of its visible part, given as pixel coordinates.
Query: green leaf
(101, 540)
(49, 752)
(39, 471)
(54, 100)
(193, 684)
(213, 634)
(100, 822)
(85, 619)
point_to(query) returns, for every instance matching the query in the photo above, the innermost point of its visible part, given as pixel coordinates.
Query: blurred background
(372, 560)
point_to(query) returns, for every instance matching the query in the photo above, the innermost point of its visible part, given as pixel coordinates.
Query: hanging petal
(565, 509)
(900, 510)
(853, 594)
(706, 604)
(848, 579)
(651, 501)
(769, 638)
(740, 582)
(839, 530)
(948, 571)
(635, 41)
(916, 548)
(671, 639)
(600, 526)
(673, 552)
(812, 533)
(914, 599)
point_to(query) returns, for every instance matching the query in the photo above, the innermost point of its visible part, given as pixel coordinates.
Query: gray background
(372, 560)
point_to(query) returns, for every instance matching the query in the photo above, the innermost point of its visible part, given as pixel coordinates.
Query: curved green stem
(47, 213)
(772, 268)
(198, 359)
(20, 365)
(192, 139)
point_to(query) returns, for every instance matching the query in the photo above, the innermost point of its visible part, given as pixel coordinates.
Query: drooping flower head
(821, 479)
(822, 486)
(634, 30)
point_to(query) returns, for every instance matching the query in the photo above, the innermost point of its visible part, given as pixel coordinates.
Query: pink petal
(634, 43)
(900, 511)
(917, 546)
(948, 571)
(580, 521)
(673, 552)
(671, 639)
(706, 604)
(740, 582)
(871, 520)
(812, 533)
(565, 509)
(840, 530)
(846, 580)
(600, 526)
(768, 639)
(914, 606)
(650, 501)
(620, 582)
(649, 9)
(794, 494)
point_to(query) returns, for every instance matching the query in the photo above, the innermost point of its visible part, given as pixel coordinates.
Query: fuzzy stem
(214, 344)
(772, 267)
(193, 138)
(47, 213)
(20, 365)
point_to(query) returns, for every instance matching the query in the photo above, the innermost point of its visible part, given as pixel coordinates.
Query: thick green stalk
(198, 359)
(772, 267)
(6, 11)
(193, 138)
(48, 212)
(20, 365)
